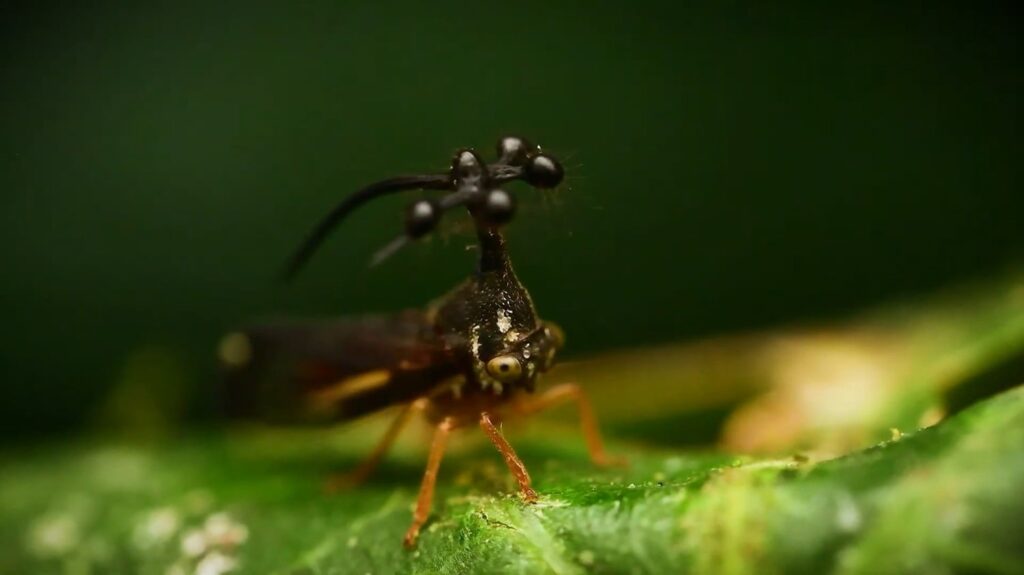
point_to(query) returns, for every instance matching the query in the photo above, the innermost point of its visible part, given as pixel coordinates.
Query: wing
(332, 370)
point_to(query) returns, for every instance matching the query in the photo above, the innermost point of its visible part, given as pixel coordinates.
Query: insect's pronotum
(469, 358)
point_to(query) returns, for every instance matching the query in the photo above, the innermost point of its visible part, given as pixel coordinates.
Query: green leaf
(944, 499)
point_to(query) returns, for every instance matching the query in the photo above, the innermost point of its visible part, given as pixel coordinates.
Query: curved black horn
(323, 229)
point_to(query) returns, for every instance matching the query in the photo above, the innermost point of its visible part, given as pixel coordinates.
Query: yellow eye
(505, 368)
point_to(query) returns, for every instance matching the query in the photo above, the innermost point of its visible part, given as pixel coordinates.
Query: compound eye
(513, 150)
(555, 334)
(505, 368)
(421, 217)
(543, 171)
(499, 207)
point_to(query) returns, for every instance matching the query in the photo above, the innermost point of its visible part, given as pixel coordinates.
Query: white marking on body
(478, 366)
(504, 320)
(474, 341)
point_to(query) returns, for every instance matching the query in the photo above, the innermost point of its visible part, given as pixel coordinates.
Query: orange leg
(588, 422)
(419, 517)
(511, 459)
(358, 475)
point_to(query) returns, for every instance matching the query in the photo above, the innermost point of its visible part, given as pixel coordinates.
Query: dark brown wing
(332, 370)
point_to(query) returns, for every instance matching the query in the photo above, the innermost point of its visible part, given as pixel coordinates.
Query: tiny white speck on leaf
(586, 557)
(220, 529)
(157, 526)
(217, 525)
(216, 564)
(848, 515)
(193, 544)
(54, 536)
(673, 464)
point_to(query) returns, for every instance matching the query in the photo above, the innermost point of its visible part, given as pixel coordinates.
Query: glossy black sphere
(543, 171)
(421, 218)
(467, 166)
(499, 206)
(513, 150)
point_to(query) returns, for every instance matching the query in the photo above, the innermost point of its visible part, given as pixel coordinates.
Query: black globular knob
(421, 217)
(513, 150)
(499, 207)
(543, 171)
(467, 166)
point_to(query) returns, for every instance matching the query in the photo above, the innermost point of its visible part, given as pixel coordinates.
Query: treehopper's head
(521, 359)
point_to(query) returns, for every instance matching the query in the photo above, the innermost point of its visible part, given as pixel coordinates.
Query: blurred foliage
(827, 387)
(831, 497)
(729, 166)
(943, 500)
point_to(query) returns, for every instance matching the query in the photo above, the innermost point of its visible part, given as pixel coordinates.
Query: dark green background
(730, 166)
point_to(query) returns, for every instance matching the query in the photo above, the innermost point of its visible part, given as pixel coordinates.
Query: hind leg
(588, 421)
(426, 497)
(357, 476)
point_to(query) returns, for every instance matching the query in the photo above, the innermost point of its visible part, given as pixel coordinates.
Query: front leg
(588, 422)
(515, 465)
